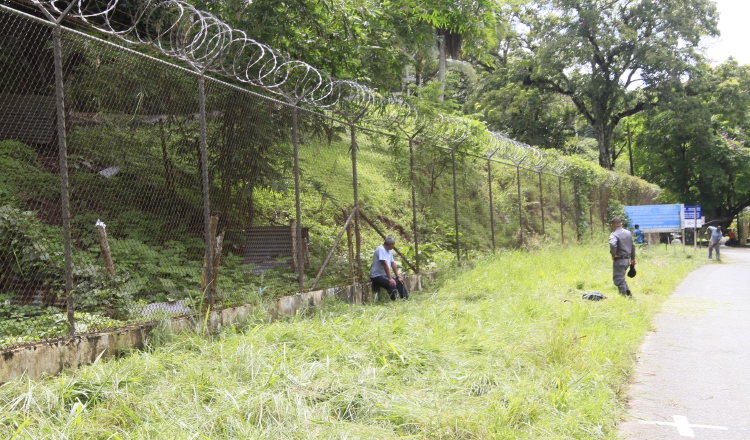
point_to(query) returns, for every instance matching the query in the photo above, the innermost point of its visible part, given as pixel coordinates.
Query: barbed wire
(401, 116)
(514, 151)
(450, 130)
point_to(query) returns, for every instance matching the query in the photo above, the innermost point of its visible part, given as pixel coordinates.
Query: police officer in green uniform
(623, 254)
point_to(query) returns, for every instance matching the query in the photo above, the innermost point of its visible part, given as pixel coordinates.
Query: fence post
(577, 206)
(64, 192)
(591, 212)
(562, 215)
(455, 204)
(355, 185)
(492, 214)
(541, 200)
(602, 212)
(520, 209)
(349, 248)
(297, 202)
(205, 185)
(414, 203)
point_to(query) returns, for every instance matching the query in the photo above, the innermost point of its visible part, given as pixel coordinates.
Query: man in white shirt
(715, 236)
(384, 271)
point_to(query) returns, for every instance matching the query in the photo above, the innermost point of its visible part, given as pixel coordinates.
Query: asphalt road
(693, 373)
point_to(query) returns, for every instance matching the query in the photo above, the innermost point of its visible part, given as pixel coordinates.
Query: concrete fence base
(53, 356)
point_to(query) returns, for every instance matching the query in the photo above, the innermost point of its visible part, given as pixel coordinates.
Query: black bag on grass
(594, 296)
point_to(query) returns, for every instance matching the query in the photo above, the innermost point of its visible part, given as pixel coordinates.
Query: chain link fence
(133, 189)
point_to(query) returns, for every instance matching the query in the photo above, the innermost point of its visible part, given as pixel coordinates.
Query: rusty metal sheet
(27, 118)
(270, 247)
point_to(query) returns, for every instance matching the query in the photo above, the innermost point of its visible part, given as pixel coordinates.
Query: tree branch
(486, 67)
(738, 207)
(561, 90)
(633, 110)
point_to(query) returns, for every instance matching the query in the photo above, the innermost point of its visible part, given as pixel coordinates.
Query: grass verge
(507, 349)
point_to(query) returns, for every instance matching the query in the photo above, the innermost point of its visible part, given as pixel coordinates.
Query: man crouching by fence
(623, 254)
(384, 271)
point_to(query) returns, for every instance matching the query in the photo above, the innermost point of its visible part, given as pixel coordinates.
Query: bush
(616, 209)
(22, 178)
(28, 250)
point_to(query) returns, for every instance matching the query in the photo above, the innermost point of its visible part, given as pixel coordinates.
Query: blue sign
(656, 218)
(693, 212)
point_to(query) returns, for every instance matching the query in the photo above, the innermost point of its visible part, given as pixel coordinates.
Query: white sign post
(693, 218)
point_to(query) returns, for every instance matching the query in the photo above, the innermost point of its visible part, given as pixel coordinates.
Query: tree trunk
(743, 221)
(419, 64)
(604, 141)
(442, 62)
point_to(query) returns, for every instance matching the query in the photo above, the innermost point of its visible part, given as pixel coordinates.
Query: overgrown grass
(507, 349)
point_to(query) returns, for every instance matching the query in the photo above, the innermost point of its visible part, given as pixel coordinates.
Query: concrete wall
(53, 356)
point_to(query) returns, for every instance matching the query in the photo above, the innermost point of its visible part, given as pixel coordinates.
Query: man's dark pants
(399, 288)
(619, 269)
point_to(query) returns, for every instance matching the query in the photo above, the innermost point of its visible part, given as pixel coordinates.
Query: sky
(735, 32)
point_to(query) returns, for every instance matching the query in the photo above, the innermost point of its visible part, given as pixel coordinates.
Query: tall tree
(612, 58)
(695, 146)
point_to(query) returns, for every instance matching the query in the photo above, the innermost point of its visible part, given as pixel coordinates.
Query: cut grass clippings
(507, 349)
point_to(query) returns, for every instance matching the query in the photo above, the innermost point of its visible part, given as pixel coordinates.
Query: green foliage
(100, 295)
(503, 100)
(594, 52)
(19, 323)
(28, 249)
(155, 273)
(695, 145)
(616, 209)
(583, 176)
(471, 20)
(348, 39)
(23, 180)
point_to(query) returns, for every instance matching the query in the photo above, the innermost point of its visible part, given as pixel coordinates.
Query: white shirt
(381, 254)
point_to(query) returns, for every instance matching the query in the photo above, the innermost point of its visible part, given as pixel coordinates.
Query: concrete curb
(51, 357)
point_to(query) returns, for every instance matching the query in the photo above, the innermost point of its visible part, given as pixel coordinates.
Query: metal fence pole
(577, 206)
(520, 212)
(602, 213)
(355, 185)
(414, 203)
(64, 192)
(492, 214)
(455, 204)
(591, 214)
(205, 184)
(541, 200)
(562, 215)
(297, 202)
